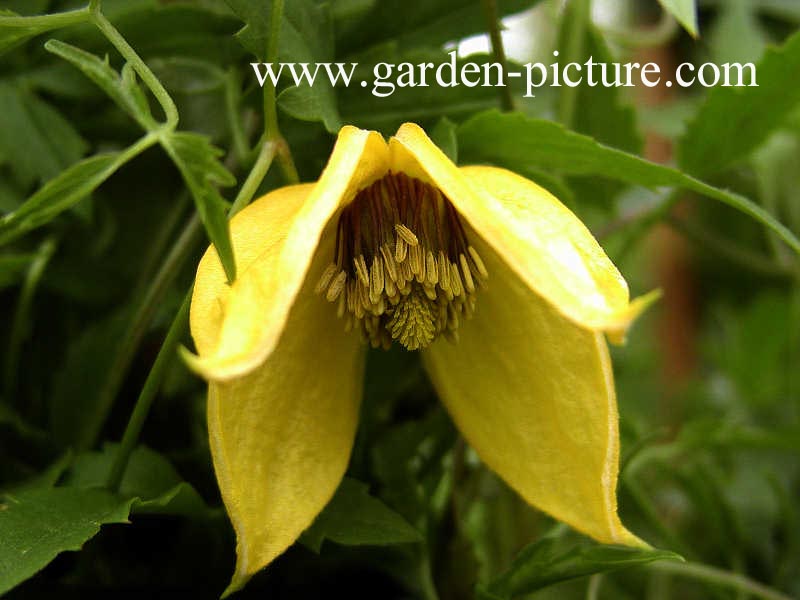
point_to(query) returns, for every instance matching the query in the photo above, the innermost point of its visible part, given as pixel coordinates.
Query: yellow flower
(398, 245)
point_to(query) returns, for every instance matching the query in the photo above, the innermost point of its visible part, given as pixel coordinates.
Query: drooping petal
(533, 394)
(258, 229)
(281, 435)
(543, 242)
(258, 303)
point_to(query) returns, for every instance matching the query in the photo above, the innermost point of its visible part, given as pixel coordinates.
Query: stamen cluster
(403, 269)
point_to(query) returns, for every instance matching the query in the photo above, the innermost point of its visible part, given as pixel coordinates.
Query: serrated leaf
(36, 140)
(684, 11)
(149, 477)
(60, 193)
(305, 37)
(520, 142)
(735, 120)
(312, 103)
(38, 524)
(542, 564)
(354, 518)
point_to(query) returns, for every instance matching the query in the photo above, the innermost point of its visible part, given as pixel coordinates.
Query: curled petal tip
(216, 368)
(617, 330)
(237, 583)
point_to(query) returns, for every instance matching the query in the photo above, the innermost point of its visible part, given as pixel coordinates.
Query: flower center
(403, 269)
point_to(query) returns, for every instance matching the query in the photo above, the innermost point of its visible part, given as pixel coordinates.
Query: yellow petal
(258, 229)
(545, 244)
(257, 305)
(281, 435)
(533, 393)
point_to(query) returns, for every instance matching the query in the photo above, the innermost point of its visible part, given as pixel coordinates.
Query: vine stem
(581, 13)
(495, 36)
(145, 400)
(718, 576)
(139, 322)
(255, 177)
(142, 70)
(272, 132)
(45, 22)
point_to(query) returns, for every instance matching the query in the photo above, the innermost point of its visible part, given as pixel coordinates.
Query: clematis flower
(501, 288)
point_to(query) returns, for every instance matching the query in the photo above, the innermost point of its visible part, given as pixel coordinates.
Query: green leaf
(355, 518)
(684, 11)
(312, 103)
(737, 34)
(412, 23)
(601, 112)
(444, 135)
(38, 524)
(518, 142)
(149, 477)
(542, 564)
(123, 90)
(57, 195)
(735, 120)
(36, 140)
(11, 37)
(78, 381)
(306, 36)
(197, 160)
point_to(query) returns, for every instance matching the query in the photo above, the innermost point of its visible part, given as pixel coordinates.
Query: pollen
(403, 269)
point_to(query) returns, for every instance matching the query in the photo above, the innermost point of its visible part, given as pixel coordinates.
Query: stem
(256, 176)
(493, 25)
(18, 327)
(593, 588)
(45, 22)
(232, 97)
(142, 70)
(286, 162)
(427, 586)
(718, 576)
(147, 395)
(139, 323)
(573, 53)
(271, 130)
(731, 251)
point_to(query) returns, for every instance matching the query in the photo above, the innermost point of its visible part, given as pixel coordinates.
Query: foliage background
(100, 193)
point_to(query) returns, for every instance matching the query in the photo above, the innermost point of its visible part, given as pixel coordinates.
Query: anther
(403, 269)
(336, 286)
